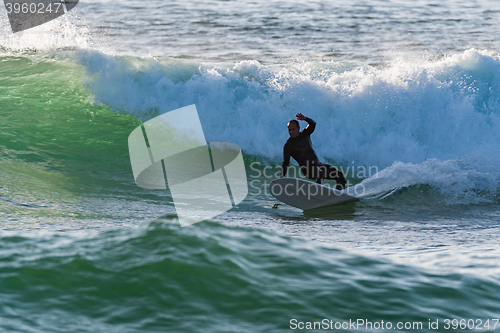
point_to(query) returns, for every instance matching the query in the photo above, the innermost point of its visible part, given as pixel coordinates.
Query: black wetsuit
(300, 148)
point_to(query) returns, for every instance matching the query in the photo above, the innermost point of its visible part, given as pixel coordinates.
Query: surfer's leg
(312, 171)
(307, 171)
(320, 174)
(331, 172)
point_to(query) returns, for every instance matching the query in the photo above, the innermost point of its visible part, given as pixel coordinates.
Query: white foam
(67, 31)
(407, 116)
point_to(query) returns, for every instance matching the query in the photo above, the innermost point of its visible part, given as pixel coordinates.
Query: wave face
(411, 124)
(438, 120)
(409, 112)
(424, 123)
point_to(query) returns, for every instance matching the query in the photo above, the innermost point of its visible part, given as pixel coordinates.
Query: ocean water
(407, 100)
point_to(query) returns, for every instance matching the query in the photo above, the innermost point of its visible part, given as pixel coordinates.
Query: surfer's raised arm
(311, 124)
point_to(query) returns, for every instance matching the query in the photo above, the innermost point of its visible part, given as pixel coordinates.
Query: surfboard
(307, 195)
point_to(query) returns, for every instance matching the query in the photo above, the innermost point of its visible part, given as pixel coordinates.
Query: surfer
(299, 147)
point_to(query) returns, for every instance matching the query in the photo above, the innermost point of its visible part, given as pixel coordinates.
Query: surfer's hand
(300, 116)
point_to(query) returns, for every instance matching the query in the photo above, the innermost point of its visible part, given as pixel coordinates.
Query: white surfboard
(307, 195)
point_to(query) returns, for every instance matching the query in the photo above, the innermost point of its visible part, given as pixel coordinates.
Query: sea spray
(408, 112)
(446, 110)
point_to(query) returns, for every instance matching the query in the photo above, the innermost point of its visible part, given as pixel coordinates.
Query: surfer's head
(293, 128)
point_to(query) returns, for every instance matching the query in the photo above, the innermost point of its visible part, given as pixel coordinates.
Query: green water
(214, 278)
